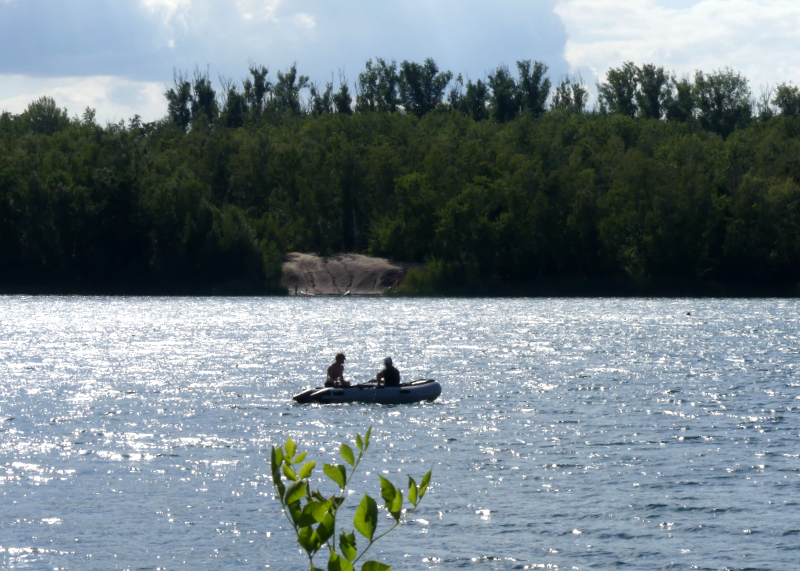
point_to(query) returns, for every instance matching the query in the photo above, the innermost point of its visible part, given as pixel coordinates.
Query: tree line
(505, 184)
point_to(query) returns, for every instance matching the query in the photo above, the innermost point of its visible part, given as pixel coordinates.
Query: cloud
(116, 98)
(139, 42)
(168, 9)
(756, 37)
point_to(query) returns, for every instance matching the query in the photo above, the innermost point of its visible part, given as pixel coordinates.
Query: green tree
(204, 98)
(422, 87)
(787, 100)
(44, 117)
(257, 90)
(179, 100)
(570, 96)
(378, 87)
(505, 99)
(474, 101)
(286, 92)
(342, 100)
(654, 87)
(533, 86)
(618, 93)
(321, 101)
(680, 102)
(723, 100)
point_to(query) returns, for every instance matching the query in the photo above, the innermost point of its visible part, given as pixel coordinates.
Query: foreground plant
(313, 516)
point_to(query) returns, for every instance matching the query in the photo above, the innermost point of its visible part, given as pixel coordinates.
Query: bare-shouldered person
(336, 372)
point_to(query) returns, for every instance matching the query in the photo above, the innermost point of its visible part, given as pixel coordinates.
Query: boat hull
(417, 391)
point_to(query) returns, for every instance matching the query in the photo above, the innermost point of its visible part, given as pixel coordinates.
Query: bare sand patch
(337, 275)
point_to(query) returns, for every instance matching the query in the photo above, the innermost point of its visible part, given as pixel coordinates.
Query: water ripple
(571, 434)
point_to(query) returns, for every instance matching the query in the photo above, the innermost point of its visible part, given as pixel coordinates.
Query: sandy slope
(335, 275)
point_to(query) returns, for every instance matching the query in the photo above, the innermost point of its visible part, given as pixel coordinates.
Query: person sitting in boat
(336, 372)
(389, 376)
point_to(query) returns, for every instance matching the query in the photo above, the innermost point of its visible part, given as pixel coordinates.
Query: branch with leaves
(313, 516)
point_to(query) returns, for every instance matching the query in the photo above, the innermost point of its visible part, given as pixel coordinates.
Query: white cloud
(258, 9)
(169, 9)
(113, 98)
(305, 21)
(756, 37)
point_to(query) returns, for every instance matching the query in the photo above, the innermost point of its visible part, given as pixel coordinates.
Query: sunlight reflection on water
(570, 433)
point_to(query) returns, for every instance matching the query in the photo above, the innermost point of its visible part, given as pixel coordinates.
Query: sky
(118, 56)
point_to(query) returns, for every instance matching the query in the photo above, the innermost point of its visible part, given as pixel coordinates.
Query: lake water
(570, 434)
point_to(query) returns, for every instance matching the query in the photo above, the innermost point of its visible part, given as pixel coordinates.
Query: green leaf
(388, 491)
(309, 540)
(296, 492)
(393, 497)
(305, 471)
(281, 489)
(326, 527)
(375, 566)
(317, 510)
(347, 543)
(338, 563)
(300, 458)
(347, 453)
(313, 512)
(276, 459)
(336, 473)
(366, 437)
(426, 479)
(366, 518)
(412, 491)
(289, 473)
(359, 442)
(397, 506)
(291, 448)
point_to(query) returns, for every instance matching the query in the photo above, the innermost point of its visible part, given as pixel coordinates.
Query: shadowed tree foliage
(342, 100)
(654, 89)
(680, 103)
(422, 87)
(378, 87)
(618, 93)
(493, 193)
(286, 92)
(472, 100)
(787, 100)
(723, 100)
(505, 98)
(570, 95)
(188, 101)
(204, 100)
(179, 101)
(321, 102)
(533, 86)
(257, 90)
(43, 117)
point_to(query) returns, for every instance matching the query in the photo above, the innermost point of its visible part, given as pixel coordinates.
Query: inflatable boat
(424, 389)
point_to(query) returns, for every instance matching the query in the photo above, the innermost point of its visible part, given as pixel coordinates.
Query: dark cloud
(122, 38)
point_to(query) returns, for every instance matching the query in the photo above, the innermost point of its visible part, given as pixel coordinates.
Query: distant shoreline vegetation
(508, 185)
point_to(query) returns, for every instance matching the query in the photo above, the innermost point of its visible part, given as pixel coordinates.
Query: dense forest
(508, 185)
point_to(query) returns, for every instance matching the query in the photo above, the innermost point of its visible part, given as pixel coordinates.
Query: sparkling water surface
(570, 434)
